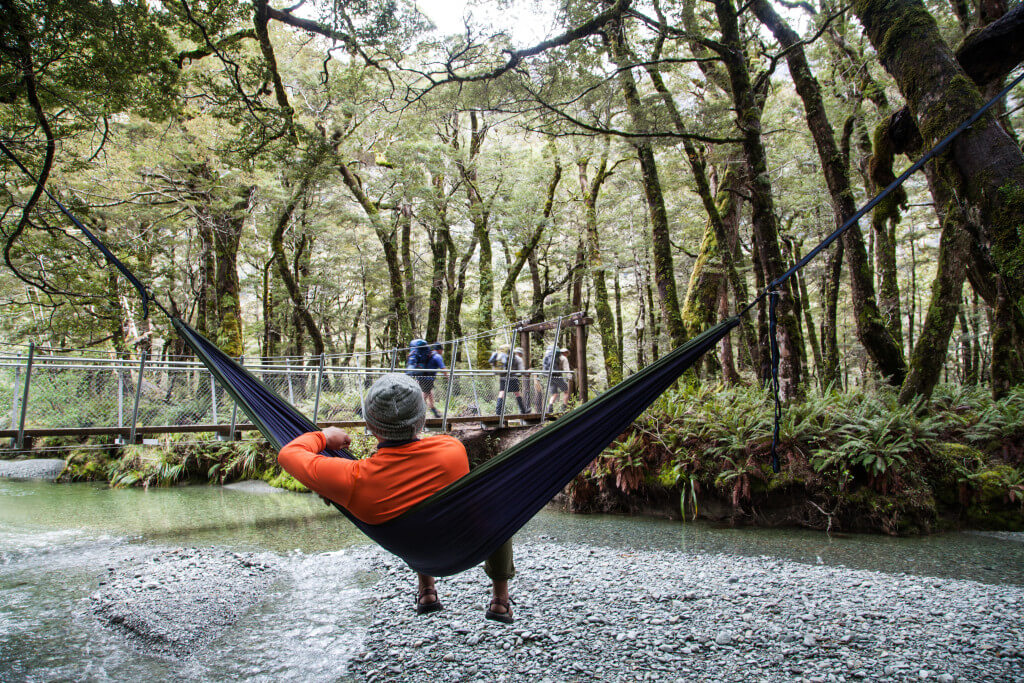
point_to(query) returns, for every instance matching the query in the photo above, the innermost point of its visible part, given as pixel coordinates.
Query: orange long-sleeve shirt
(382, 486)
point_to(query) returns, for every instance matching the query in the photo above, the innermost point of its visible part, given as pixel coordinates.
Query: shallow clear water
(56, 542)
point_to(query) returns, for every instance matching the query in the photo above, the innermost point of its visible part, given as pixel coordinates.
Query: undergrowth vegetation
(177, 460)
(849, 460)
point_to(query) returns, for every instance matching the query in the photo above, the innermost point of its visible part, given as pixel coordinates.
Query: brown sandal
(504, 617)
(427, 607)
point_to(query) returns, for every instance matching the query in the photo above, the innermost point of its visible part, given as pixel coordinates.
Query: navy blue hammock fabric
(462, 524)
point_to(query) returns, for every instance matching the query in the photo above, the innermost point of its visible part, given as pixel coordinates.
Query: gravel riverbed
(590, 613)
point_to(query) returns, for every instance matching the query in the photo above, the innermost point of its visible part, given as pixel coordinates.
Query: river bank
(850, 462)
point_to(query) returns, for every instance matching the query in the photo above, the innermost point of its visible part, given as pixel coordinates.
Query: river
(58, 541)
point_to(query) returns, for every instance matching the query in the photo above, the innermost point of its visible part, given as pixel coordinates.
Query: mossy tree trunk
(1006, 323)
(226, 237)
(987, 170)
(661, 246)
(765, 222)
(720, 209)
(831, 371)
(805, 308)
(302, 315)
(591, 190)
(479, 215)
(877, 337)
(403, 220)
(526, 251)
(401, 331)
(930, 351)
(219, 221)
(271, 327)
(438, 234)
(884, 219)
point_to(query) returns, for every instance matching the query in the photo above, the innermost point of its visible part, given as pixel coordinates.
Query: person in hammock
(402, 472)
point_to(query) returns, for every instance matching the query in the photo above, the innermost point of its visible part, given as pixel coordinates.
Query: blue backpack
(419, 354)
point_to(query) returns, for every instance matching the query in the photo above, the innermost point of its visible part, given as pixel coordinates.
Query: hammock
(462, 524)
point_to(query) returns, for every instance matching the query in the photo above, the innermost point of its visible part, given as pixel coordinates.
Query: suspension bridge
(54, 393)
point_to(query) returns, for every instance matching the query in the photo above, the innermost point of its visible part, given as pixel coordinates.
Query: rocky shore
(585, 613)
(177, 601)
(47, 469)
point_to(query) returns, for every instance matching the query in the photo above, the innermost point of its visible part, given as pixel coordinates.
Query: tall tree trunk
(812, 336)
(700, 307)
(271, 331)
(479, 214)
(524, 253)
(618, 314)
(765, 223)
(640, 325)
(206, 288)
(884, 219)
(226, 236)
(720, 210)
(661, 245)
(284, 270)
(884, 348)
(929, 353)
(403, 218)
(831, 372)
(966, 355)
(456, 288)
(988, 165)
(401, 332)
(439, 267)
(591, 189)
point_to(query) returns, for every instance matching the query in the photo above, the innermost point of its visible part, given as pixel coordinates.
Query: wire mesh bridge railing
(45, 393)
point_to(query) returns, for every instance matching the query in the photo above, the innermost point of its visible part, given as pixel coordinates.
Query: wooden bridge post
(451, 384)
(138, 394)
(14, 393)
(579, 323)
(551, 370)
(582, 383)
(120, 397)
(232, 436)
(528, 391)
(319, 385)
(20, 439)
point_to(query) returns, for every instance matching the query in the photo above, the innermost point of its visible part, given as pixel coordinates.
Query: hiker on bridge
(403, 471)
(423, 363)
(556, 362)
(509, 368)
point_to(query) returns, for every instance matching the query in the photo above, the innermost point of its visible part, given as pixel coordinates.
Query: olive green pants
(499, 566)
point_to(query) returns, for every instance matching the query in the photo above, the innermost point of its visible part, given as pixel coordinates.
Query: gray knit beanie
(394, 408)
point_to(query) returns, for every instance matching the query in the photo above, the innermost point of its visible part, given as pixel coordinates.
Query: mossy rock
(957, 456)
(283, 480)
(87, 465)
(907, 513)
(996, 499)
